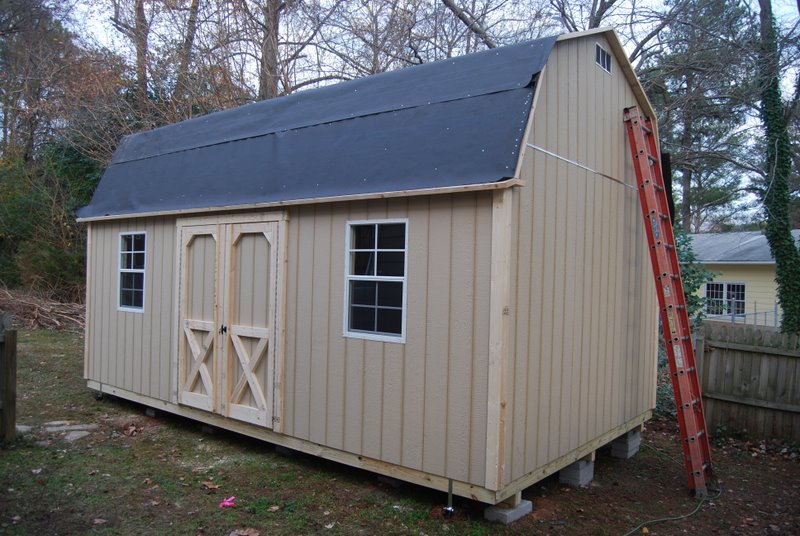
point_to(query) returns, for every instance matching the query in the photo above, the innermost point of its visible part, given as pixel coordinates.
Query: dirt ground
(134, 474)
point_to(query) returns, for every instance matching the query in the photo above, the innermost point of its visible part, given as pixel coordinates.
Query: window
(725, 298)
(375, 280)
(131, 271)
(602, 58)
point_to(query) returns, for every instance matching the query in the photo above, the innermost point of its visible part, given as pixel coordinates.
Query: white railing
(764, 317)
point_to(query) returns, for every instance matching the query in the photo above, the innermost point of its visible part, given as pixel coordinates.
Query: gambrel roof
(455, 122)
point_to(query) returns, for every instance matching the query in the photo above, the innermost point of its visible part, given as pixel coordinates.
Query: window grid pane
(131, 271)
(376, 275)
(725, 298)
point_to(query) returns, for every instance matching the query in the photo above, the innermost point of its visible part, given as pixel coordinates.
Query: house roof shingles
(449, 123)
(749, 247)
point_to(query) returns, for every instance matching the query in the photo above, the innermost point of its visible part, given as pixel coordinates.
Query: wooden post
(699, 355)
(8, 379)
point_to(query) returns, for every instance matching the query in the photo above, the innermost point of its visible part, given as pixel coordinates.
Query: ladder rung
(676, 327)
(656, 187)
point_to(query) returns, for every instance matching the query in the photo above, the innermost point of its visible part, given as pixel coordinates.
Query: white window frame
(121, 270)
(603, 54)
(367, 335)
(725, 301)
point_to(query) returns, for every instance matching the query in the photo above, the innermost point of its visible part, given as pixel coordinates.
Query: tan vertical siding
(583, 359)
(421, 403)
(414, 370)
(321, 327)
(125, 349)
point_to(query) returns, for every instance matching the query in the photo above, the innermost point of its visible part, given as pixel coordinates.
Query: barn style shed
(439, 274)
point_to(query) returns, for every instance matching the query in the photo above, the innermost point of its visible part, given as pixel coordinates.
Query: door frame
(281, 249)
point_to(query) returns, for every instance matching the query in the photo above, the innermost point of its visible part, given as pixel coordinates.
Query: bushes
(41, 245)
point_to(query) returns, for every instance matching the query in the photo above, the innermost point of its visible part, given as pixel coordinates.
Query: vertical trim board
(498, 338)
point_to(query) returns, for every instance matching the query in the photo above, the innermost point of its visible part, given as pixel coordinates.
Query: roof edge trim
(499, 185)
(744, 263)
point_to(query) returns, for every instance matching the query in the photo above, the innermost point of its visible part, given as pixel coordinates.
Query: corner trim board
(499, 316)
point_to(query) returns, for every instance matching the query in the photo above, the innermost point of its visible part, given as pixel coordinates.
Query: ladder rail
(672, 301)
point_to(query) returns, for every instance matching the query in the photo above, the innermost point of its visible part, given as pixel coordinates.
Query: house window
(602, 58)
(131, 271)
(375, 280)
(725, 298)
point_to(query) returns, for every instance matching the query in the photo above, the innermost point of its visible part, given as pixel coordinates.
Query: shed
(439, 274)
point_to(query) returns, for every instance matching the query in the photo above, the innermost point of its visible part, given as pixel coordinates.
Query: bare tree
(182, 89)
(368, 37)
(579, 15)
(471, 21)
(131, 20)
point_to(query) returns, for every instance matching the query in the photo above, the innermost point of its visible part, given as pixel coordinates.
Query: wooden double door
(230, 317)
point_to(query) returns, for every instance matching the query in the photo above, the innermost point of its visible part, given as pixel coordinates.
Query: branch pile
(32, 312)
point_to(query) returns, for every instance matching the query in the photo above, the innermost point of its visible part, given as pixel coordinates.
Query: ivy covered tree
(775, 117)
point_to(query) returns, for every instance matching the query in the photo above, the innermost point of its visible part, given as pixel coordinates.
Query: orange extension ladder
(671, 300)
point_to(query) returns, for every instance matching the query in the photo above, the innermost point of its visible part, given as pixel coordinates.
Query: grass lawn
(135, 474)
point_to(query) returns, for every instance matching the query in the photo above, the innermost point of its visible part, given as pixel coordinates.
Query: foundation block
(577, 474)
(504, 513)
(626, 445)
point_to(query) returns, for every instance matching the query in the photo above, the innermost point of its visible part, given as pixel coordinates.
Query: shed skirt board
(421, 478)
(228, 311)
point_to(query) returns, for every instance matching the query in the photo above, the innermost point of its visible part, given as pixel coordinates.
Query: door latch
(223, 329)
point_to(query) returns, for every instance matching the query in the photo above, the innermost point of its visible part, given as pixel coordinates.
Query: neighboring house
(743, 287)
(439, 273)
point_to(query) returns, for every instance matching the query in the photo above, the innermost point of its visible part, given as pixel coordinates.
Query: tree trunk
(140, 37)
(470, 22)
(778, 168)
(686, 170)
(686, 181)
(268, 76)
(182, 82)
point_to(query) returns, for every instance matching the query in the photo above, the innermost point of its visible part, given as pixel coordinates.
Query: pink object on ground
(227, 503)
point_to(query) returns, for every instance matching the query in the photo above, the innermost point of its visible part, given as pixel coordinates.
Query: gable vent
(602, 58)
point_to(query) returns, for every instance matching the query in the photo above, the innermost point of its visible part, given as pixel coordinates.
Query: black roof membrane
(453, 122)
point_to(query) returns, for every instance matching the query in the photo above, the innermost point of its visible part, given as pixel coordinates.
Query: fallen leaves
(210, 485)
(131, 429)
(245, 532)
(273, 508)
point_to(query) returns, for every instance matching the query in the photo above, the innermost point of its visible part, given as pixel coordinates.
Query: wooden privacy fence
(750, 378)
(8, 378)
